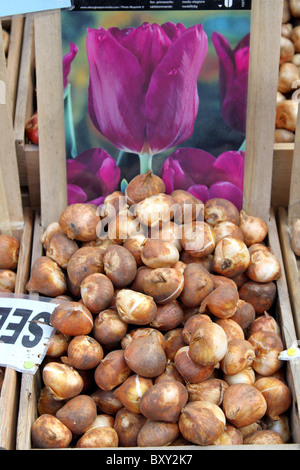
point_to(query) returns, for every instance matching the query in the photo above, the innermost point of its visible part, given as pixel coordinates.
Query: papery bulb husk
(192, 324)
(155, 209)
(143, 186)
(173, 342)
(109, 328)
(231, 257)
(260, 295)
(106, 401)
(201, 422)
(112, 371)
(230, 437)
(208, 344)
(168, 317)
(164, 401)
(188, 207)
(137, 284)
(48, 403)
(72, 319)
(286, 115)
(190, 370)
(246, 376)
(264, 437)
(63, 381)
(52, 229)
(288, 74)
(58, 344)
(102, 420)
(9, 252)
(232, 329)
(80, 222)
(48, 432)
(61, 248)
(112, 205)
(209, 390)
(123, 226)
(47, 278)
(198, 239)
(157, 434)
(263, 267)
(280, 425)
(264, 322)
(169, 232)
(145, 356)
(239, 356)
(163, 284)
(7, 279)
(159, 254)
(228, 229)
(131, 391)
(254, 228)
(219, 210)
(139, 332)
(97, 292)
(251, 428)
(85, 261)
(267, 348)
(222, 302)
(135, 307)
(206, 261)
(243, 404)
(277, 395)
(170, 373)
(287, 49)
(98, 437)
(198, 283)
(220, 280)
(134, 245)
(78, 413)
(283, 136)
(244, 315)
(128, 425)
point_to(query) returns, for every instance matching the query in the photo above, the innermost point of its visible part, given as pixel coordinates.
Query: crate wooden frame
(17, 222)
(286, 218)
(263, 75)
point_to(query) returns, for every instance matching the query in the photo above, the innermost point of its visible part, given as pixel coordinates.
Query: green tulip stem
(145, 162)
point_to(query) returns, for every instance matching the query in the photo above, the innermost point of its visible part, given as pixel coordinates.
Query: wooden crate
(17, 222)
(257, 201)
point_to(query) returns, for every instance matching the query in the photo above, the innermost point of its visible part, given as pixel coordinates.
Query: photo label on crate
(15, 7)
(25, 332)
(161, 4)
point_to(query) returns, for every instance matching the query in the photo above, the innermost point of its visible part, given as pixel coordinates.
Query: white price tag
(25, 332)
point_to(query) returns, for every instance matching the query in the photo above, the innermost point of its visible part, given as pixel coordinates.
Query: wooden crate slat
(13, 58)
(261, 105)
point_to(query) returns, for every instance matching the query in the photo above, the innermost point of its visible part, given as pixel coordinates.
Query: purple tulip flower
(204, 175)
(234, 67)
(143, 84)
(91, 176)
(67, 61)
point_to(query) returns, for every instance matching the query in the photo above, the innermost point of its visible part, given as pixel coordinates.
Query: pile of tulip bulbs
(163, 329)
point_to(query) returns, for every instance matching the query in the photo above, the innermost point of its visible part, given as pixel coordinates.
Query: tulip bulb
(155, 209)
(209, 390)
(221, 302)
(286, 115)
(47, 278)
(264, 437)
(63, 381)
(7, 279)
(134, 245)
(260, 295)
(9, 252)
(135, 307)
(60, 248)
(264, 322)
(267, 348)
(112, 370)
(119, 266)
(131, 391)
(288, 74)
(85, 261)
(109, 328)
(84, 352)
(243, 404)
(198, 283)
(80, 222)
(169, 316)
(128, 425)
(48, 432)
(231, 257)
(192, 324)
(263, 267)
(201, 422)
(187, 207)
(239, 356)
(208, 344)
(157, 434)
(295, 243)
(159, 254)
(244, 314)
(163, 284)
(198, 239)
(277, 395)
(98, 438)
(72, 319)
(254, 228)
(190, 370)
(281, 426)
(228, 229)
(231, 436)
(232, 329)
(78, 413)
(142, 186)
(245, 376)
(138, 332)
(97, 292)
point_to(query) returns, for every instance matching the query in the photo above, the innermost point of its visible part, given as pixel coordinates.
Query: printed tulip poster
(159, 89)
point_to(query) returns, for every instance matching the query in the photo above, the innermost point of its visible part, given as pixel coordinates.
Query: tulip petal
(109, 175)
(67, 61)
(227, 191)
(116, 91)
(76, 194)
(74, 169)
(174, 83)
(226, 62)
(200, 191)
(228, 166)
